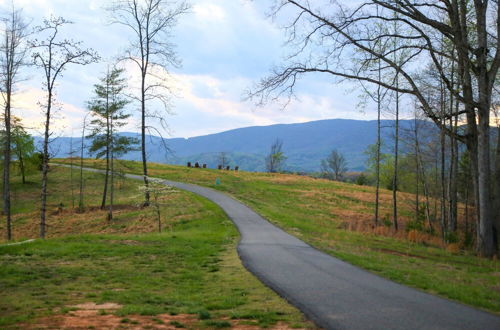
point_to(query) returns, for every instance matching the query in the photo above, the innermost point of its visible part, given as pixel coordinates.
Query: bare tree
(52, 55)
(71, 155)
(151, 22)
(334, 165)
(82, 149)
(12, 55)
(223, 160)
(344, 32)
(158, 189)
(276, 158)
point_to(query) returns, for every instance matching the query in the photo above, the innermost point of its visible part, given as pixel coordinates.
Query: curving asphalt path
(333, 293)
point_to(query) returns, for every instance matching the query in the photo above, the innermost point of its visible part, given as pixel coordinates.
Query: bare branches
(12, 54)
(53, 55)
(151, 22)
(456, 41)
(341, 41)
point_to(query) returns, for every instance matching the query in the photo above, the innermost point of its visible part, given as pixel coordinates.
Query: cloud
(225, 45)
(216, 104)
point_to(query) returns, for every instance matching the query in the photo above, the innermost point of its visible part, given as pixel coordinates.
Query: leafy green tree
(334, 166)
(23, 148)
(276, 158)
(108, 112)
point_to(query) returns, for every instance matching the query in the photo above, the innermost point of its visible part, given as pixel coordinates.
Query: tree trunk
(396, 155)
(45, 167)
(106, 176)
(22, 168)
(453, 177)
(442, 141)
(496, 187)
(112, 156)
(424, 182)
(108, 132)
(485, 242)
(443, 184)
(452, 189)
(80, 201)
(143, 139)
(467, 209)
(379, 142)
(6, 164)
(71, 172)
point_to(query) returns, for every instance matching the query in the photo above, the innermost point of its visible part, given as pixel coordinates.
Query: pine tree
(108, 111)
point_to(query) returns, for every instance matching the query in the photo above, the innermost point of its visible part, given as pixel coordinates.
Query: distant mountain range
(304, 144)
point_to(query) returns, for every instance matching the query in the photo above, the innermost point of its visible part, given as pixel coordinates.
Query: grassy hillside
(91, 273)
(336, 218)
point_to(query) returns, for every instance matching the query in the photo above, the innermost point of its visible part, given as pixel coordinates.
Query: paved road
(333, 293)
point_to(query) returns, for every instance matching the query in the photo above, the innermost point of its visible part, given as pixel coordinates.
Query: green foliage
(406, 170)
(275, 160)
(22, 148)
(361, 180)
(204, 315)
(334, 166)
(218, 324)
(451, 237)
(107, 109)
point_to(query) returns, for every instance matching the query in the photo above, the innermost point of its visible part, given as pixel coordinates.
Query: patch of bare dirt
(95, 307)
(99, 316)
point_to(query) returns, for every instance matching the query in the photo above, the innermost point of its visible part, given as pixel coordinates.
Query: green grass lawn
(333, 216)
(192, 268)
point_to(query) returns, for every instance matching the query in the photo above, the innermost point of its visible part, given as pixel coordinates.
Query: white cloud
(208, 12)
(225, 46)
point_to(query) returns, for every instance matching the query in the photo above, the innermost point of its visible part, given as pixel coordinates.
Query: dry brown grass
(127, 219)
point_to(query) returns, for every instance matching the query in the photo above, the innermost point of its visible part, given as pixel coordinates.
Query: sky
(226, 46)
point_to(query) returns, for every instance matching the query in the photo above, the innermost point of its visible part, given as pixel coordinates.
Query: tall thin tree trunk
(467, 209)
(108, 132)
(443, 179)
(112, 156)
(396, 142)
(417, 176)
(22, 168)
(82, 146)
(396, 155)
(442, 158)
(379, 143)
(6, 163)
(453, 176)
(106, 177)
(143, 139)
(157, 206)
(452, 188)
(424, 180)
(71, 171)
(45, 166)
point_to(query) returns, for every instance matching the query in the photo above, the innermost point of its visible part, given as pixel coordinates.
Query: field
(123, 273)
(336, 218)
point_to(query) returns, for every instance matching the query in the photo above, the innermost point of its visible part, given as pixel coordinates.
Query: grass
(192, 268)
(336, 218)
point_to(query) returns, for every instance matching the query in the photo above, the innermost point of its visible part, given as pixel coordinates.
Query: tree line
(441, 56)
(43, 47)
